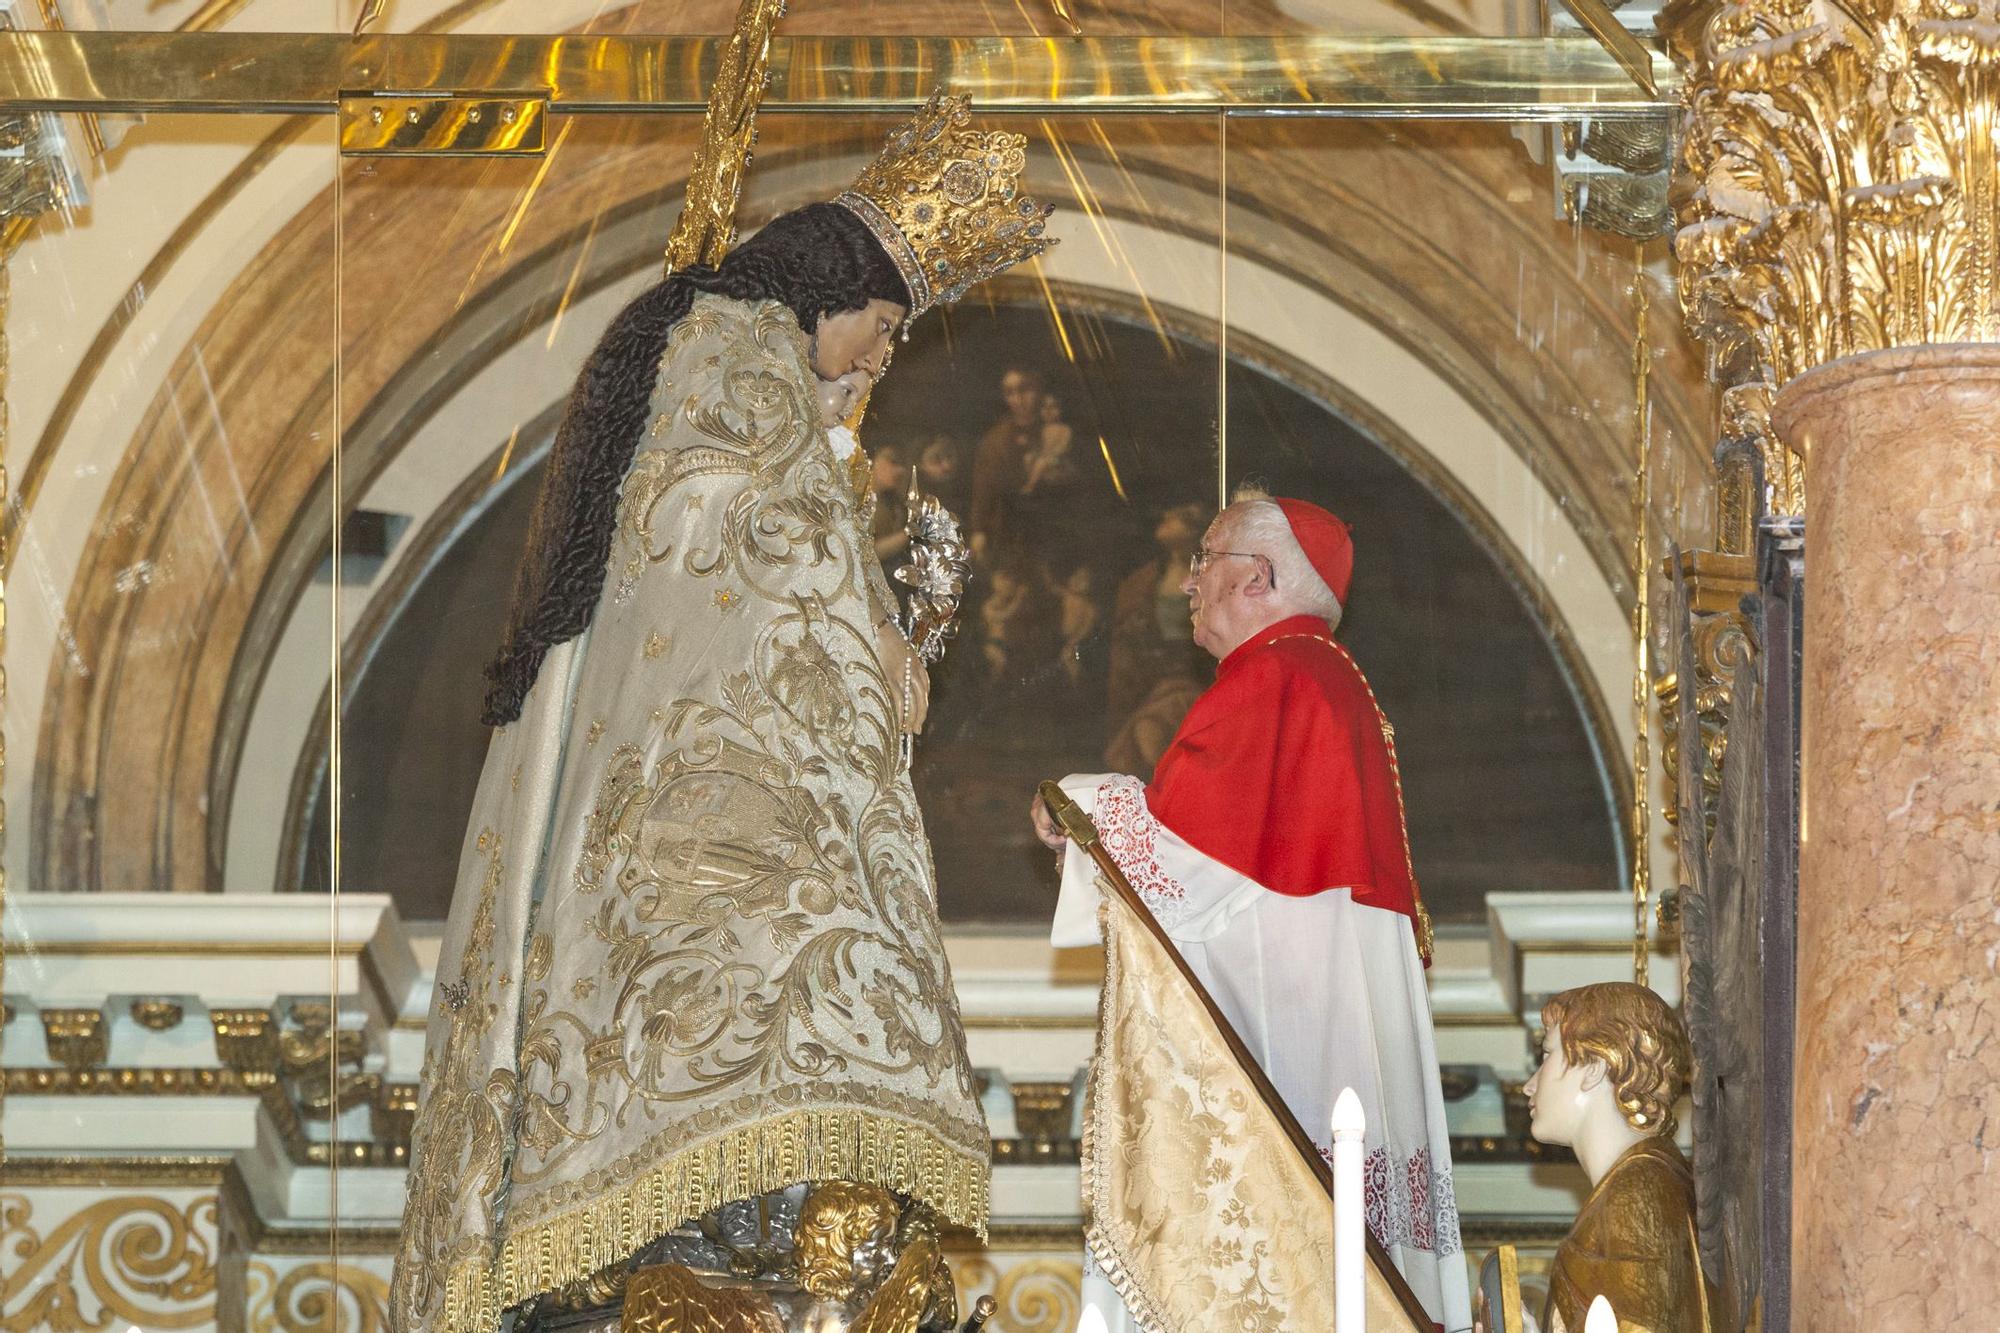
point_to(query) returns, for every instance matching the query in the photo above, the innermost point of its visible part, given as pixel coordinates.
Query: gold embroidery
(595, 734)
(459, 1143)
(743, 985)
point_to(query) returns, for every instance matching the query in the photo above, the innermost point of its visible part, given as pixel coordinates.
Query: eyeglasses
(1203, 557)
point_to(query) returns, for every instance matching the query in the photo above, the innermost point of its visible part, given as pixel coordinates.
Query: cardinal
(1270, 844)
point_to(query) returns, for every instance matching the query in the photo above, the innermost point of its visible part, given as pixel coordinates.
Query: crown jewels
(943, 200)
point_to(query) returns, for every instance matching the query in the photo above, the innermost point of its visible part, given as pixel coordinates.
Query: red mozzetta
(1285, 770)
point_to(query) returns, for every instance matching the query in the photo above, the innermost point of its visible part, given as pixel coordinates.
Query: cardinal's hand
(1046, 827)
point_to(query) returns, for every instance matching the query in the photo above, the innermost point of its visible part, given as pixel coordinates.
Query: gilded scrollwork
(319, 1296)
(1836, 177)
(120, 1261)
(1043, 1294)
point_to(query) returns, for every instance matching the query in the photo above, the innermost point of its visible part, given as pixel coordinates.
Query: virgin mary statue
(694, 956)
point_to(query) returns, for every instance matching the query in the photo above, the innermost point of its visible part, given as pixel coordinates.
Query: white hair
(1259, 527)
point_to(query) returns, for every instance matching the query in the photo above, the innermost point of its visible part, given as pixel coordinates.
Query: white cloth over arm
(1325, 994)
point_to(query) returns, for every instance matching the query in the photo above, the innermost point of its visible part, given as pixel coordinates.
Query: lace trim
(1413, 1206)
(829, 1144)
(1130, 833)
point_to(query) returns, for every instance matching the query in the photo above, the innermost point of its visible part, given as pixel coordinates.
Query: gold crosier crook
(707, 223)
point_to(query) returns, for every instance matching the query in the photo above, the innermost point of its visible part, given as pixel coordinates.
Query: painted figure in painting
(693, 956)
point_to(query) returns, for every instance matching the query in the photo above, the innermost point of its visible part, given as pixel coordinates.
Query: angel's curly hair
(817, 260)
(1638, 1037)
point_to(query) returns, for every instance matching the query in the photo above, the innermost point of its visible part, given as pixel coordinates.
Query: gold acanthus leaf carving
(1836, 190)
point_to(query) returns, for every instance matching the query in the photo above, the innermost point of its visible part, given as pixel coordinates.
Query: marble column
(1896, 1165)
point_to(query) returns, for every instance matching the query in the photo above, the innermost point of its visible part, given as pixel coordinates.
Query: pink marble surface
(1896, 1189)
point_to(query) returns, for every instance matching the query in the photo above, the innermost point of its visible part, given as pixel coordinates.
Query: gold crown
(943, 200)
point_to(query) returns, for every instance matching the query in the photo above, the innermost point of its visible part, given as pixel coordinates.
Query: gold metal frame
(1490, 78)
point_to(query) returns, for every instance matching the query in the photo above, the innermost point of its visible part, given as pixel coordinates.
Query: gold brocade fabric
(694, 951)
(1196, 1205)
(1633, 1242)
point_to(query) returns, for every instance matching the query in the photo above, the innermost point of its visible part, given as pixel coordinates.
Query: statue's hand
(909, 680)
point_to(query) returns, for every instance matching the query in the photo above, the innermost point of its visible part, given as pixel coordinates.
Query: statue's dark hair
(818, 260)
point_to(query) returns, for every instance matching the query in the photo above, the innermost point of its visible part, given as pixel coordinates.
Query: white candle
(1599, 1319)
(1349, 1212)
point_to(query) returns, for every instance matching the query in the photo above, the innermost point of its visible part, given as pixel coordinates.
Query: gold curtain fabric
(694, 951)
(1196, 1206)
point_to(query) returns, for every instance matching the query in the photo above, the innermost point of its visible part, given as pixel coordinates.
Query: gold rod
(12, 231)
(1439, 77)
(1642, 683)
(1222, 314)
(1632, 55)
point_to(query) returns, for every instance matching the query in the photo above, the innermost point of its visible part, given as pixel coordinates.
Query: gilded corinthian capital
(1837, 180)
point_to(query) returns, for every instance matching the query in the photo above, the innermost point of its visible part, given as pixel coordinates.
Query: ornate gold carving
(77, 1037)
(130, 1083)
(1042, 1118)
(157, 1015)
(667, 1298)
(844, 1233)
(315, 1297)
(246, 1040)
(1746, 416)
(1837, 169)
(393, 1114)
(1042, 1110)
(1035, 1296)
(126, 1260)
(917, 1293)
(311, 1056)
(707, 225)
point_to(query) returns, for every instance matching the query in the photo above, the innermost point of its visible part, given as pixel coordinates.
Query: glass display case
(281, 380)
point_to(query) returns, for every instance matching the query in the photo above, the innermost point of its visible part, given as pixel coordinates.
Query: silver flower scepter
(939, 566)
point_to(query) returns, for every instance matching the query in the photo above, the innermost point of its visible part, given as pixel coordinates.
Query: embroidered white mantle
(694, 950)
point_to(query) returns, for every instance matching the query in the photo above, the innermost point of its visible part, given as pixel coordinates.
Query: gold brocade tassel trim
(821, 1144)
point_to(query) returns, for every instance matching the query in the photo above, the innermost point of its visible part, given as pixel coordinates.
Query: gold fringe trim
(837, 1143)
